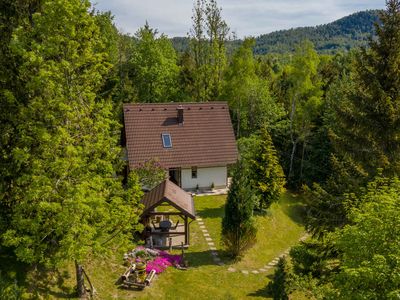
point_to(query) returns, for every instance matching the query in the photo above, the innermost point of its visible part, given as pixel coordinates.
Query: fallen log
(150, 277)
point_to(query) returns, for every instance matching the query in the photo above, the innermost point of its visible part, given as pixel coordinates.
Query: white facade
(205, 178)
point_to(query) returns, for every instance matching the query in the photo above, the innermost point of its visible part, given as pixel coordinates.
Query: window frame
(166, 135)
(194, 172)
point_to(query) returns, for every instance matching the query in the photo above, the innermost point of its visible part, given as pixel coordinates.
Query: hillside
(343, 34)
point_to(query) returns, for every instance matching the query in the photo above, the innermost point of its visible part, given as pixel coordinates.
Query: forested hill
(343, 34)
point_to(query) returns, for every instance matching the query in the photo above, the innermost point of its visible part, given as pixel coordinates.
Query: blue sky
(245, 17)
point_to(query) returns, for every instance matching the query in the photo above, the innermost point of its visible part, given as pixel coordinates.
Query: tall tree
(208, 36)
(238, 229)
(303, 100)
(67, 201)
(155, 69)
(368, 119)
(249, 99)
(364, 119)
(265, 172)
(12, 94)
(369, 247)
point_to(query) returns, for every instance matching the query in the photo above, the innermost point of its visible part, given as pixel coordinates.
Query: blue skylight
(166, 139)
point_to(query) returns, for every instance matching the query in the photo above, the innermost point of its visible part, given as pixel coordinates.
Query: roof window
(166, 139)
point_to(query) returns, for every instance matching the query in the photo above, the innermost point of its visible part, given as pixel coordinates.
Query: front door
(175, 176)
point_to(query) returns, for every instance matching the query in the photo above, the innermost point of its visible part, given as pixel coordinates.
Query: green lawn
(278, 229)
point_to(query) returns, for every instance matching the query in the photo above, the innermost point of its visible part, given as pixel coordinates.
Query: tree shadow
(38, 281)
(295, 209)
(200, 259)
(216, 212)
(263, 292)
(52, 283)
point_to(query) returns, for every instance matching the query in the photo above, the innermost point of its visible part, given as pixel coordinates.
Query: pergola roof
(169, 192)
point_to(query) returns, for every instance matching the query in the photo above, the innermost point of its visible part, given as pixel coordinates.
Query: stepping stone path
(217, 260)
(210, 242)
(271, 264)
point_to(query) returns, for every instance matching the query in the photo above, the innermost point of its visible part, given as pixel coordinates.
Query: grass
(278, 229)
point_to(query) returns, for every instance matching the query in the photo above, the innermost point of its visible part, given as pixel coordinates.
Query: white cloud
(245, 17)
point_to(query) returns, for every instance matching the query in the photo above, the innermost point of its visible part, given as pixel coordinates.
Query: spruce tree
(280, 285)
(238, 228)
(267, 177)
(368, 119)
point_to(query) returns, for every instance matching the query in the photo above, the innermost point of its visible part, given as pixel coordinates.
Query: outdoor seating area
(168, 212)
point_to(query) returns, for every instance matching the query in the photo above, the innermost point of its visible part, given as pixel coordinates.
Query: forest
(326, 126)
(341, 35)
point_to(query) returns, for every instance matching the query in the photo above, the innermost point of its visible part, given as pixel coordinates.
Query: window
(166, 139)
(194, 172)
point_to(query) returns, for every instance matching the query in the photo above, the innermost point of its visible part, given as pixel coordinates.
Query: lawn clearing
(278, 230)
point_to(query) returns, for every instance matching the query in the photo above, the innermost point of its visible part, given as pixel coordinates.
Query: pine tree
(238, 228)
(67, 201)
(267, 177)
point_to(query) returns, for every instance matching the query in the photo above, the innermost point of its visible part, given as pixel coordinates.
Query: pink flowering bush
(159, 264)
(164, 260)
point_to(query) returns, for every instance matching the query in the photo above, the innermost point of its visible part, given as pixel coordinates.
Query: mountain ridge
(346, 33)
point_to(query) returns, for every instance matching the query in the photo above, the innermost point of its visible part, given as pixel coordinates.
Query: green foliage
(265, 173)
(369, 247)
(9, 291)
(280, 287)
(300, 89)
(67, 201)
(367, 120)
(342, 35)
(208, 36)
(150, 174)
(238, 228)
(314, 257)
(248, 95)
(155, 69)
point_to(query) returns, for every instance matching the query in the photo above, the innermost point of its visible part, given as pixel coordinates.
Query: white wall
(205, 177)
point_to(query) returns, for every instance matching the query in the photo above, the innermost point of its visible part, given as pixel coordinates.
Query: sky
(244, 17)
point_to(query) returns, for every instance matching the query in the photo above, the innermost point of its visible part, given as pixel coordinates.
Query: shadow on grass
(199, 259)
(216, 212)
(46, 280)
(264, 292)
(294, 208)
(37, 281)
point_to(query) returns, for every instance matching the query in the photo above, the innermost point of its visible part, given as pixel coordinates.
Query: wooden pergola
(167, 193)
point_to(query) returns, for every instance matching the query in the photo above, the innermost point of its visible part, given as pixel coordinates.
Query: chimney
(180, 115)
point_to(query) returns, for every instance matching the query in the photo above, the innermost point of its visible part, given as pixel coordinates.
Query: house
(195, 142)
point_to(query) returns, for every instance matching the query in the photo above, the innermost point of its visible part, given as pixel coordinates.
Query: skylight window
(166, 139)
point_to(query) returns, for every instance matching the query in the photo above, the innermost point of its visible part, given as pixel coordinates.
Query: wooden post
(170, 243)
(186, 231)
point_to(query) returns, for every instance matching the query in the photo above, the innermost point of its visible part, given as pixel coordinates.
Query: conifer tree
(267, 177)
(368, 119)
(238, 229)
(279, 288)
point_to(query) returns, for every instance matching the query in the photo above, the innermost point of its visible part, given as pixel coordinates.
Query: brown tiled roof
(205, 139)
(169, 192)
